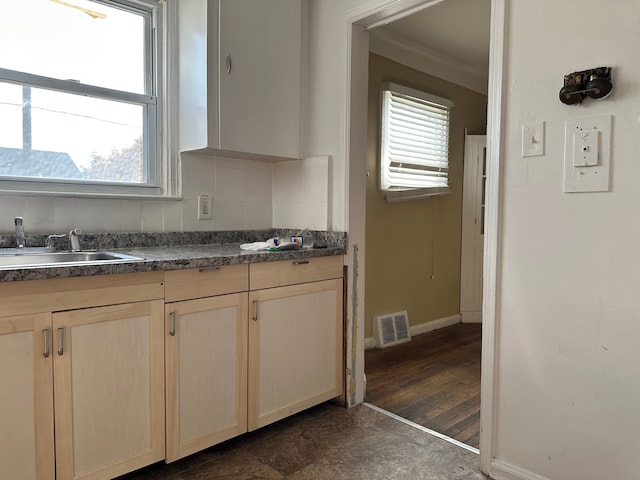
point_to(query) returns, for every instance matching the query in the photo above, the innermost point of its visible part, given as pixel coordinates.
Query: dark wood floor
(433, 380)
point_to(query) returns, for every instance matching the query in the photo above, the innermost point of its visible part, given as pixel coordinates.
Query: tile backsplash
(301, 193)
(246, 194)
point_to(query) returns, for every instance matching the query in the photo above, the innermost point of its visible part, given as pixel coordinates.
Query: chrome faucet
(73, 239)
(49, 245)
(20, 240)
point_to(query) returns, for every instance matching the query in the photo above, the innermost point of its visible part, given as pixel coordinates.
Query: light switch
(585, 148)
(532, 139)
(587, 154)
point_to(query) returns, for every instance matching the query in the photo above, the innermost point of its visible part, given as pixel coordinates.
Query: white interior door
(473, 208)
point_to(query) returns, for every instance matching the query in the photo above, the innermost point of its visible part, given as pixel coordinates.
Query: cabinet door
(295, 349)
(109, 389)
(26, 398)
(206, 342)
(260, 89)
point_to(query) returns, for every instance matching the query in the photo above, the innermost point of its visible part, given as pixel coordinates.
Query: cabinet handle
(172, 331)
(254, 317)
(301, 262)
(228, 63)
(47, 338)
(60, 340)
(209, 269)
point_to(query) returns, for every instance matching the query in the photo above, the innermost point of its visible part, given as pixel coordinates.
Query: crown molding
(430, 61)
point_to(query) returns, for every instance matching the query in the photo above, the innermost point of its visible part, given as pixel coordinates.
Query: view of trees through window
(124, 165)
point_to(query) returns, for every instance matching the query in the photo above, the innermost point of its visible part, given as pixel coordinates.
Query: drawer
(290, 272)
(205, 282)
(35, 296)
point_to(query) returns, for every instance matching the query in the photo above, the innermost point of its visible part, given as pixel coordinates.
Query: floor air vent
(392, 328)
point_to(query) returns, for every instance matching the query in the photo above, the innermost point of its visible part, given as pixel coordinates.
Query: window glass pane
(56, 135)
(74, 39)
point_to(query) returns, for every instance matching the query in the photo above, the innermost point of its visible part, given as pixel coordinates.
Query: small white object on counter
(273, 244)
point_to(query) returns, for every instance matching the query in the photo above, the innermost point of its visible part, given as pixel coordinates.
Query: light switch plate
(532, 139)
(587, 154)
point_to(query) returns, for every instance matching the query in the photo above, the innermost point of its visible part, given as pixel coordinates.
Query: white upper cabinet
(240, 77)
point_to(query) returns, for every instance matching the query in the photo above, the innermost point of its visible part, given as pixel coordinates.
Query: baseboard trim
(501, 470)
(471, 317)
(370, 342)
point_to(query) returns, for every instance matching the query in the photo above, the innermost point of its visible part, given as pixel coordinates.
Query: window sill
(133, 195)
(416, 194)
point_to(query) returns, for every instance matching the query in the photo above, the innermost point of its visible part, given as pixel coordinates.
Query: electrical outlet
(204, 208)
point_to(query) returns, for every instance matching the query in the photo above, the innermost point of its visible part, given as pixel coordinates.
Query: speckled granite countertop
(173, 251)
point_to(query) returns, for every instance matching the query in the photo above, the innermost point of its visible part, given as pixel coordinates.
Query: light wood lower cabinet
(103, 366)
(26, 398)
(295, 347)
(109, 385)
(206, 372)
(233, 349)
(230, 368)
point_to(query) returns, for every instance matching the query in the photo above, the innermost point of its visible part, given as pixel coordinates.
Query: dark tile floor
(326, 442)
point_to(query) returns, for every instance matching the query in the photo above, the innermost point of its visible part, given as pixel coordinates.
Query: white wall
(324, 128)
(568, 312)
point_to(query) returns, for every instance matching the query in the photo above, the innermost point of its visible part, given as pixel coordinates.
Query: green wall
(407, 242)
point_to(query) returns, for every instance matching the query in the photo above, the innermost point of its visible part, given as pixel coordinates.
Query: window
(80, 102)
(414, 150)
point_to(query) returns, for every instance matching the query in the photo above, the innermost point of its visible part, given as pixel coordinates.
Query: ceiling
(455, 32)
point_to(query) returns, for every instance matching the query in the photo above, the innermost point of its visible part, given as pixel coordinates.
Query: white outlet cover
(587, 173)
(204, 207)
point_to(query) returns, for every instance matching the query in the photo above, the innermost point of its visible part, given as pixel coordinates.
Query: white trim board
(505, 471)
(471, 317)
(495, 148)
(370, 342)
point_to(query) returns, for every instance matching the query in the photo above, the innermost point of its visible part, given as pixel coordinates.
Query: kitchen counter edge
(166, 259)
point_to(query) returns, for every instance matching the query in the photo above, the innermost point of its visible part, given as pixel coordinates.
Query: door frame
(354, 72)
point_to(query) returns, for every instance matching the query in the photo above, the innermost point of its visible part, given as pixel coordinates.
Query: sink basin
(17, 259)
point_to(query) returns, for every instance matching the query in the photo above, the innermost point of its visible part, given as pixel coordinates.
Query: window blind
(414, 140)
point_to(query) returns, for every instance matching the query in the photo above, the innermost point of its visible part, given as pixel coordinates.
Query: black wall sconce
(592, 83)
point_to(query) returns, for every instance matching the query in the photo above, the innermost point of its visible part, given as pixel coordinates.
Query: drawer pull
(61, 341)
(47, 334)
(172, 331)
(209, 269)
(301, 262)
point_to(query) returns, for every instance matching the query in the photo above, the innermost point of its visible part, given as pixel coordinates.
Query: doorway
(433, 381)
(434, 264)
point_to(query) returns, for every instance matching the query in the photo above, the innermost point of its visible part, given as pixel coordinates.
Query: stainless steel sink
(17, 259)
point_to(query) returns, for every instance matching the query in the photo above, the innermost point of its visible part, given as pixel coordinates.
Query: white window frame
(414, 143)
(161, 159)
